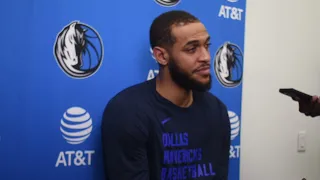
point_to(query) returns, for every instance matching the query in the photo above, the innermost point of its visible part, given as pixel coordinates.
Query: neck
(168, 89)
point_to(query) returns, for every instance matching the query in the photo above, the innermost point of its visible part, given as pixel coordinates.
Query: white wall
(283, 37)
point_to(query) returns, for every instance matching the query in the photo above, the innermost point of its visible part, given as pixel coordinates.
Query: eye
(192, 50)
(208, 45)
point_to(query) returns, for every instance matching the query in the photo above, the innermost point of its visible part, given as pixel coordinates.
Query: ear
(161, 55)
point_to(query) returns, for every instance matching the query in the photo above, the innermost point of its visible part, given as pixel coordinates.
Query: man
(170, 127)
(312, 108)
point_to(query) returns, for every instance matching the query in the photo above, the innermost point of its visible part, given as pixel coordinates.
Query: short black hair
(160, 30)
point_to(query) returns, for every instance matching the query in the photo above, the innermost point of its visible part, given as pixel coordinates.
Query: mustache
(203, 66)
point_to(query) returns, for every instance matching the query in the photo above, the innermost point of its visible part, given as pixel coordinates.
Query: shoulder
(123, 115)
(128, 104)
(130, 96)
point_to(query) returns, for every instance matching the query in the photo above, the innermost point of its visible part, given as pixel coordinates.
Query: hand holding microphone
(311, 108)
(308, 105)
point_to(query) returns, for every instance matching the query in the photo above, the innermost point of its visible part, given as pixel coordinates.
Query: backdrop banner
(64, 60)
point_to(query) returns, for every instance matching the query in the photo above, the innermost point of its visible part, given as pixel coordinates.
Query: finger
(315, 98)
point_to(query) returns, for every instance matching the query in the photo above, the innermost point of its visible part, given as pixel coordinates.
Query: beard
(185, 81)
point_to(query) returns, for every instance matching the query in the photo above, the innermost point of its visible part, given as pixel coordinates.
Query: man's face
(189, 61)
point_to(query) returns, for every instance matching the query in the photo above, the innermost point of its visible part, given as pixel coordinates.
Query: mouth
(203, 70)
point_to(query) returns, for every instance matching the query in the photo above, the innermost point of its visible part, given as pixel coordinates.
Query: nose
(205, 55)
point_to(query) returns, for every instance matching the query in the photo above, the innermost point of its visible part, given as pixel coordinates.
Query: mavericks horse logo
(78, 50)
(228, 65)
(168, 3)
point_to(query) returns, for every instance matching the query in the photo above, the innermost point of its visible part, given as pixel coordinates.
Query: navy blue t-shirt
(146, 137)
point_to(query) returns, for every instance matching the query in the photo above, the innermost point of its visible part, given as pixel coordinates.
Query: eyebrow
(194, 42)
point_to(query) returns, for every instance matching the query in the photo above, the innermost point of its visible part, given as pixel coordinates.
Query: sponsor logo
(229, 12)
(234, 152)
(74, 158)
(235, 124)
(78, 50)
(168, 3)
(228, 65)
(233, 1)
(235, 130)
(165, 120)
(152, 73)
(76, 127)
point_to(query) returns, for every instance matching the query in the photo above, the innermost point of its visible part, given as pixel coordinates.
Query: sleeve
(124, 138)
(226, 142)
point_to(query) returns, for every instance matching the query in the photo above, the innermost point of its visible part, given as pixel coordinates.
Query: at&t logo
(235, 124)
(229, 12)
(234, 152)
(76, 127)
(75, 158)
(235, 129)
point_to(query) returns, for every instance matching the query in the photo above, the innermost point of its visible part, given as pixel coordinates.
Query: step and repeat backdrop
(65, 59)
